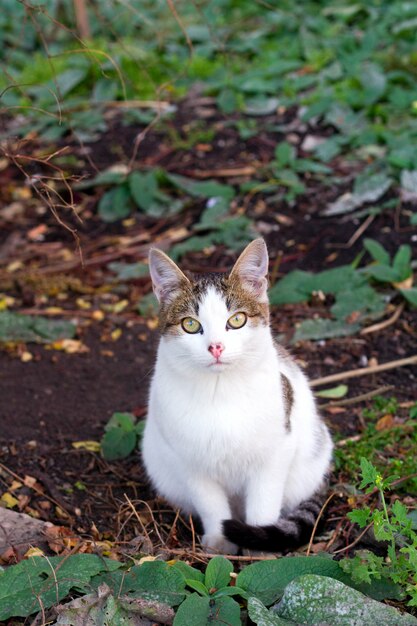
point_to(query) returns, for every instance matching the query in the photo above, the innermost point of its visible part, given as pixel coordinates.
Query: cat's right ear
(167, 278)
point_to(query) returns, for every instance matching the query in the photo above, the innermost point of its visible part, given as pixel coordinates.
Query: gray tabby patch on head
(243, 289)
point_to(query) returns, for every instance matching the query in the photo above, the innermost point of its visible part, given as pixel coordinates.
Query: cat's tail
(288, 533)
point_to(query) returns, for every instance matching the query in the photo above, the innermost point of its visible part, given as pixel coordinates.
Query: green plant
(389, 444)
(397, 272)
(391, 524)
(122, 435)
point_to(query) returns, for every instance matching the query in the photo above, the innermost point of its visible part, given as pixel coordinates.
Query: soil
(53, 399)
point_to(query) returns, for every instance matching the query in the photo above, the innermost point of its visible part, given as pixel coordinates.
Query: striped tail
(288, 533)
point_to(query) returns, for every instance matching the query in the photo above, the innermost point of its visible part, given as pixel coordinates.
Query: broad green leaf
(198, 586)
(285, 154)
(115, 175)
(383, 273)
(296, 286)
(68, 79)
(143, 188)
(115, 204)
(202, 189)
(38, 582)
(28, 328)
(367, 189)
(155, 580)
(409, 185)
(377, 251)
(366, 301)
(126, 421)
(218, 573)
(118, 443)
(410, 295)
(190, 573)
(322, 328)
(312, 599)
(373, 80)
(261, 616)
(148, 305)
(204, 611)
(334, 393)
(402, 261)
(129, 271)
(227, 101)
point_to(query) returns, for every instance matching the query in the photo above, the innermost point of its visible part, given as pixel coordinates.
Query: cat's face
(214, 322)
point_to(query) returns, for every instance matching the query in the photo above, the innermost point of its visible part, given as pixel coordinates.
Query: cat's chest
(235, 414)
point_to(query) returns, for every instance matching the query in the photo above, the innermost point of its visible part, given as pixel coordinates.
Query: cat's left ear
(252, 269)
(167, 278)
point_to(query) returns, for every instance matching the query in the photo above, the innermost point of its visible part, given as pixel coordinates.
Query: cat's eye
(190, 325)
(237, 320)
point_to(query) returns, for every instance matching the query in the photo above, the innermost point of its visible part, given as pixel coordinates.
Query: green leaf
(202, 189)
(334, 393)
(360, 517)
(188, 572)
(377, 251)
(115, 204)
(143, 187)
(204, 611)
(227, 101)
(313, 599)
(369, 473)
(267, 580)
(383, 273)
(218, 573)
(322, 328)
(129, 271)
(402, 262)
(368, 188)
(148, 305)
(115, 175)
(197, 585)
(155, 580)
(285, 154)
(28, 328)
(410, 295)
(68, 79)
(40, 582)
(296, 286)
(125, 421)
(118, 443)
(261, 616)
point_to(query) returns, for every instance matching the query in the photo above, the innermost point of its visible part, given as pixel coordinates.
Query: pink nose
(216, 349)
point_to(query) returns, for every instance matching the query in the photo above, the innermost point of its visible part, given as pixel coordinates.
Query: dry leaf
(9, 500)
(385, 422)
(90, 445)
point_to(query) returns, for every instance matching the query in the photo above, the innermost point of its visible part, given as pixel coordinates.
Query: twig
(316, 523)
(411, 360)
(381, 325)
(210, 555)
(356, 234)
(360, 398)
(358, 538)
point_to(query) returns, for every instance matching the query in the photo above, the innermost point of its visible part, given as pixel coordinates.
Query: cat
(232, 433)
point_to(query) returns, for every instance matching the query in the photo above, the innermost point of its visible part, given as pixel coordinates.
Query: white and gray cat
(232, 433)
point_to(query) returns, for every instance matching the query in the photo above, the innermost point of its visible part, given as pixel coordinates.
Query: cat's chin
(218, 367)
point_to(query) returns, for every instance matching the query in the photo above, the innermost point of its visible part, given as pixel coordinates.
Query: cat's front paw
(218, 543)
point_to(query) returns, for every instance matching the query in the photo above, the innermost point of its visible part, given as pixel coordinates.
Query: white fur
(215, 441)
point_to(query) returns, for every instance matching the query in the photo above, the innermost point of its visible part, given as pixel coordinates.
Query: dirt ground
(53, 399)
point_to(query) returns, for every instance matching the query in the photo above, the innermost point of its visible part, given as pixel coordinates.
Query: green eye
(237, 320)
(190, 325)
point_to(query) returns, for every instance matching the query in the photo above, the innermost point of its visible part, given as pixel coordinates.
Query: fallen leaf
(97, 315)
(60, 538)
(29, 481)
(70, 346)
(116, 334)
(9, 500)
(335, 410)
(33, 552)
(152, 324)
(83, 304)
(37, 233)
(91, 446)
(385, 422)
(15, 485)
(26, 356)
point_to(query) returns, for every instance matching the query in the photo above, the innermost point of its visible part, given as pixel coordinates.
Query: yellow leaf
(144, 559)
(33, 552)
(70, 346)
(83, 304)
(15, 485)
(152, 324)
(14, 266)
(9, 500)
(26, 356)
(91, 446)
(116, 334)
(97, 315)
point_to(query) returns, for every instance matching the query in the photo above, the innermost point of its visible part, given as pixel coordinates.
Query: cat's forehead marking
(193, 293)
